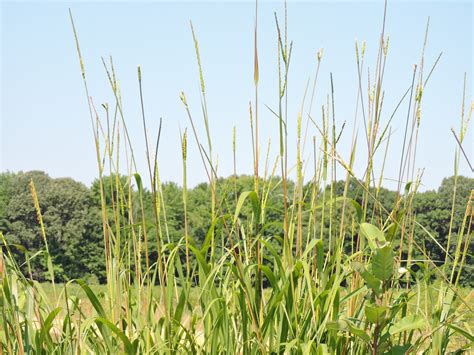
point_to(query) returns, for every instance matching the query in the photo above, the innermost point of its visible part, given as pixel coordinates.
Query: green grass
(457, 342)
(75, 290)
(327, 281)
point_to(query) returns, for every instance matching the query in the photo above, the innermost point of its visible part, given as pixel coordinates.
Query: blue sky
(44, 116)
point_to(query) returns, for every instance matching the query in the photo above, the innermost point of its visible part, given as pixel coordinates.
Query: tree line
(72, 218)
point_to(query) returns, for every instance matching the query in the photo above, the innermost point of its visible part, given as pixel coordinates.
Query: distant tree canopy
(72, 218)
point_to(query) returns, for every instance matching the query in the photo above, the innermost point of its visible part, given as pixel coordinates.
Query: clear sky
(44, 116)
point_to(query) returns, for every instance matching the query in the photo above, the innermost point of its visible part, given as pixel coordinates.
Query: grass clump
(334, 274)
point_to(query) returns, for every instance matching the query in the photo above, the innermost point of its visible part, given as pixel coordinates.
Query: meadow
(306, 266)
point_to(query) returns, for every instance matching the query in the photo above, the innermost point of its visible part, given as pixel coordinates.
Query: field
(457, 342)
(311, 266)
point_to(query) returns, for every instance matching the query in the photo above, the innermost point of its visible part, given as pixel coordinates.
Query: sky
(45, 122)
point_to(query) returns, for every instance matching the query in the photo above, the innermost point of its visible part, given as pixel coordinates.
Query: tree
(71, 221)
(433, 211)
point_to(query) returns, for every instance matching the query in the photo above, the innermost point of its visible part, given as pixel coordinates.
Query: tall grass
(237, 292)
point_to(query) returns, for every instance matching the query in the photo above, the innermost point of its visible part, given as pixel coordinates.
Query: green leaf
(374, 236)
(201, 260)
(407, 187)
(322, 349)
(48, 324)
(390, 231)
(358, 332)
(255, 204)
(382, 263)
(92, 298)
(138, 180)
(461, 331)
(310, 247)
(336, 325)
(358, 209)
(407, 323)
(398, 350)
(274, 253)
(180, 306)
(370, 280)
(375, 314)
(320, 256)
(270, 276)
(207, 241)
(99, 309)
(129, 348)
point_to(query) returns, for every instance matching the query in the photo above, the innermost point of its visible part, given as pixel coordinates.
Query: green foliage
(72, 222)
(72, 217)
(326, 267)
(433, 211)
